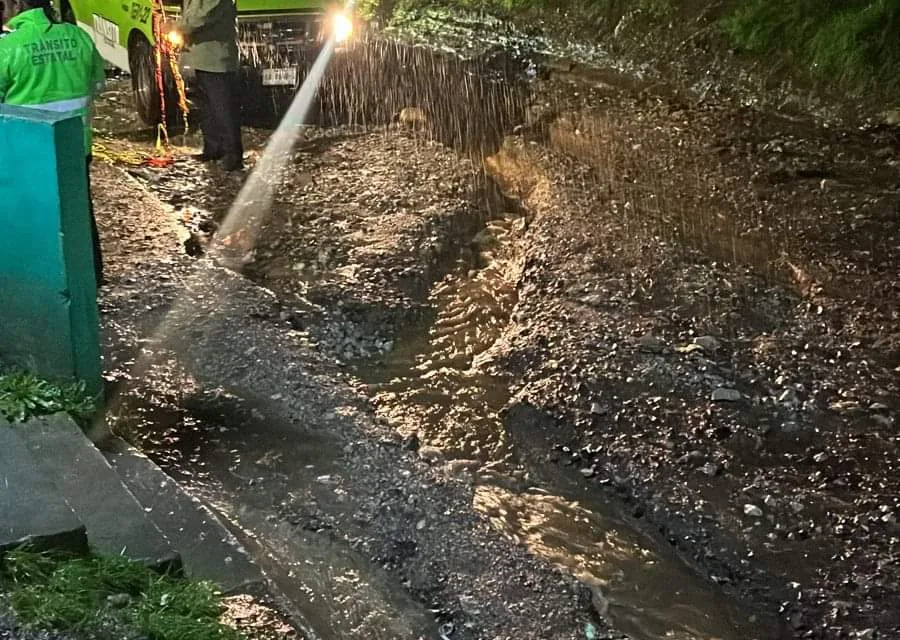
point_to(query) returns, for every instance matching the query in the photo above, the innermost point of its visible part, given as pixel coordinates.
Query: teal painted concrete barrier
(48, 299)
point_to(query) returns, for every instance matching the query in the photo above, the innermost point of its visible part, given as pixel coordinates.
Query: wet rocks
(602, 265)
(710, 469)
(707, 343)
(753, 511)
(431, 454)
(755, 364)
(723, 394)
(651, 344)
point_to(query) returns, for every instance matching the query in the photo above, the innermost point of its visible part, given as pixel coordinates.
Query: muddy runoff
(400, 267)
(418, 326)
(436, 389)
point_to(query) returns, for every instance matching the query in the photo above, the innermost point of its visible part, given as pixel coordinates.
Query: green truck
(278, 39)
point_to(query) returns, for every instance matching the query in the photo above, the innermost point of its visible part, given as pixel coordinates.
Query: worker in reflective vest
(53, 66)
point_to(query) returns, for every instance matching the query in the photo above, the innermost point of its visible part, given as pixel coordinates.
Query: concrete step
(116, 523)
(32, 510)
(208, 549)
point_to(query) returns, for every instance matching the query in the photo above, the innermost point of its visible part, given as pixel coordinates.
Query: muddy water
(240, 460)
(436, 384)
(433, 370)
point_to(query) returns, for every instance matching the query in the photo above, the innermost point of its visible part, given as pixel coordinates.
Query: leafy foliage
(24, 395)
(851, 44)
(656, 8)
(857, 41)
(73, 594)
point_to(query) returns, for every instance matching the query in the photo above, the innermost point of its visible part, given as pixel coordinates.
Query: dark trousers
(95, 233)
(221, 114)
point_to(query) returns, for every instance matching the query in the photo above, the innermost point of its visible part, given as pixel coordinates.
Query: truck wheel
(143, 80)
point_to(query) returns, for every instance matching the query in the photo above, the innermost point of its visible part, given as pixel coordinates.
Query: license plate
(279, 77)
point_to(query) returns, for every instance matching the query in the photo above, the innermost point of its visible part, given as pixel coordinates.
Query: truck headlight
(175, 39)
(341, 27)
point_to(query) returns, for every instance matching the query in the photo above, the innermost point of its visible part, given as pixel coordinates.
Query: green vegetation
(656, 8)
(855, 42)
(89, 594)
(848, 45)
(23, 395)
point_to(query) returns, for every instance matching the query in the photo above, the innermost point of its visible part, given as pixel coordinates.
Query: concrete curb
(208, 549)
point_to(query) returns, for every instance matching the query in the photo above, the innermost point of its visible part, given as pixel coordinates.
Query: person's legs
(233, 148)
(95, 233)
(211, 96)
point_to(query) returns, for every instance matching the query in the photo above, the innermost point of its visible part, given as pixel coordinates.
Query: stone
(650, 343)
(431, 453)
(692, 457)
(753, 511)
(201, 539)
(707, 343)
(711, 469)
(32, 509)
(788, 396)
(689, 348)
(459, 466)
(884, 421)
(723, 394)
(891, 117)
(790, 426)
(115, 522)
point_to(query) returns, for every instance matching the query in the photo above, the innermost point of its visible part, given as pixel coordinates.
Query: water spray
(237, 233)
(239, 229)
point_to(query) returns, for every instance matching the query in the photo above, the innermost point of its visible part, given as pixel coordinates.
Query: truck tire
(145, 89)
(143, 80)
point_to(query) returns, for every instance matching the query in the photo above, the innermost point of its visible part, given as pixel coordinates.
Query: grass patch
(23, 395)
(91, 593)
(855, 42)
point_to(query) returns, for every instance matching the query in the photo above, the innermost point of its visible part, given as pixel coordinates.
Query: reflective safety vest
(50, 66)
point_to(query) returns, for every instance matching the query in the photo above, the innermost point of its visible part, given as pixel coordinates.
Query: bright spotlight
(175, 39)
(342, 27)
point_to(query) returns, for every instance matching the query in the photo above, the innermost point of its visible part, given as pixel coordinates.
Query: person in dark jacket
(209, 28)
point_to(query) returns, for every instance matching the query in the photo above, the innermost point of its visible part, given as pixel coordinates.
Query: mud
(364, 537)
(665, 356)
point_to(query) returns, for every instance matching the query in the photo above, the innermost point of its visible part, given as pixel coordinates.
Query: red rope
(163, 47)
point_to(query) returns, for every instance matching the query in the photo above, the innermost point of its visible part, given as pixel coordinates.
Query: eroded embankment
(254, 418)
(708, 394)
(238, 395)
(686, 314)
(703, 321)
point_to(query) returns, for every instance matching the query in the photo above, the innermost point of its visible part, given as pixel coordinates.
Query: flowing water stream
(434, 384)
(437, 382)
